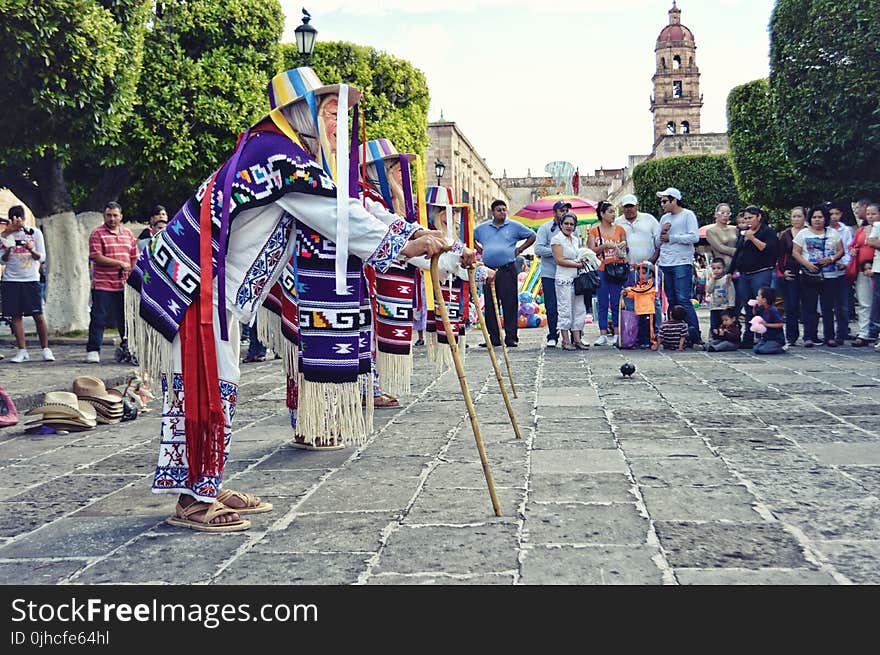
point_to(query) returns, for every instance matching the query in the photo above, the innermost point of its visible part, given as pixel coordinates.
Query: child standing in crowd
(727, 336)
(772, 340)
(721, 293)
(674, 331)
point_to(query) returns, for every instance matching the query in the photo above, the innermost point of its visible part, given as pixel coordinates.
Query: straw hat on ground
(64, 409)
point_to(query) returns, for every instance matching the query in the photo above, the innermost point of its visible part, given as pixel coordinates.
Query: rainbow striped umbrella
(536, 213)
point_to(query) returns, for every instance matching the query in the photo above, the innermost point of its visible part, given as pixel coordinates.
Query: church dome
(675, 33)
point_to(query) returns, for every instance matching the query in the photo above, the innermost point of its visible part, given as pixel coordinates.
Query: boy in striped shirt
(673, 332)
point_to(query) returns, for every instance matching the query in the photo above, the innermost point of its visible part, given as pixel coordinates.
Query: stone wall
(523, 190)
(714, 143)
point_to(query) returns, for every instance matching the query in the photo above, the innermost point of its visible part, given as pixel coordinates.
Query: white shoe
(22, 356)
(601, 341)
(551, 343)
(614, 340)
(93, 357)
(47, 355)
(877, 346)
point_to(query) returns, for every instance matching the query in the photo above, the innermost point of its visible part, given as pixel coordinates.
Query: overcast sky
(528, 82)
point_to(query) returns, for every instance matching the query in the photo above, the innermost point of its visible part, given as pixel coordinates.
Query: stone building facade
(466, 172)
(523, 190)
(677, 99)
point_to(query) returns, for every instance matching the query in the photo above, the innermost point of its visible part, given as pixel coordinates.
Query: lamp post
(305, 37)
(439, 169)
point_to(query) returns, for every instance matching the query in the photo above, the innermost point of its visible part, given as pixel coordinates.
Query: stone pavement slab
(701, 469)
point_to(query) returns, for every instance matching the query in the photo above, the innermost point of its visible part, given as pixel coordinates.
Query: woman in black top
(754, 261)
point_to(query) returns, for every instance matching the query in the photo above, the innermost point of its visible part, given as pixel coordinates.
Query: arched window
(685, 127)
(663, 63)
(691, 62)
(676, 62)
(676, 89)
(670, 127)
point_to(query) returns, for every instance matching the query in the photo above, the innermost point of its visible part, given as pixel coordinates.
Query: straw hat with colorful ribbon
(303, 85)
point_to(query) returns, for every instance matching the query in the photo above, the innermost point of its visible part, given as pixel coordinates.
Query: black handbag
(810, 279)
(586, 283)
(617, 272)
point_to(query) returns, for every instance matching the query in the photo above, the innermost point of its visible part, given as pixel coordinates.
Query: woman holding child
(571, 309)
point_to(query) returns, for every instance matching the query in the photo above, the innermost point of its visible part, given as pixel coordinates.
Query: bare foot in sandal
(244, 503)
(207, 517)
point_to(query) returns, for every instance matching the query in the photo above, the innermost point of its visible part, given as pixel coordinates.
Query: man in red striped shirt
(113, 251)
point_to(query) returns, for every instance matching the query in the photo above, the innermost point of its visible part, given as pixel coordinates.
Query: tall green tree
(396, 96)
(68, 74)
(763, 173)
(206, 67)
(704, 181)
(825, 85)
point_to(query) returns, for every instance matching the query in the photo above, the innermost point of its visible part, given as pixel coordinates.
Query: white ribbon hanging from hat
(342, 191)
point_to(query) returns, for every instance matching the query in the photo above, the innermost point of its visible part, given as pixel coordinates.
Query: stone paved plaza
(703, 468)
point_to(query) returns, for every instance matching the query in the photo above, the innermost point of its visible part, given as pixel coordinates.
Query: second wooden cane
(473, 285)
(459, 369)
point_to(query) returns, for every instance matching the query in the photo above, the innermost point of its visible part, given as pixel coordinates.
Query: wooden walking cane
(503, 344)
(459, 368)
(473, 281)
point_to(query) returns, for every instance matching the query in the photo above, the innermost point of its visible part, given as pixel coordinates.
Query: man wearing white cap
(679, 231)
(642, 230)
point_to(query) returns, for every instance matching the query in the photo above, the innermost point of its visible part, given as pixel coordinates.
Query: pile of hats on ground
(107, 403)
(62, 412)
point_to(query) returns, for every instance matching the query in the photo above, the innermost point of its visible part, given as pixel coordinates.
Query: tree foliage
(704, 181)
(68, 72)
(763, 173)
(825, 85)
(206, 67)
(396, 94)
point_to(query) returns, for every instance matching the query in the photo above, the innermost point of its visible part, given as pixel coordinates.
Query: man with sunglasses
(679, 231)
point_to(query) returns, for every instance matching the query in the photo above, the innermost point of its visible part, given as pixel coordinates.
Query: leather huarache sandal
(386, 401)
(181, 518)
(297, 443)
(251, 503)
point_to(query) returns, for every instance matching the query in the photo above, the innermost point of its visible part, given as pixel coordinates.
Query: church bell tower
(677, 99)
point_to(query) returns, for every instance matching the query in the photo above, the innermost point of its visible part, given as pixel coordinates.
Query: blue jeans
(840, 295)
(811, 293)
(255, 346)
(608, 296)
(548, 286)
(747, 286)
(874, 324)
(768, 348)
(108, 310)
(679, 284)
(791, 295)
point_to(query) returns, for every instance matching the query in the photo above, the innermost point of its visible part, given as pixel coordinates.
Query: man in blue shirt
(497, 240)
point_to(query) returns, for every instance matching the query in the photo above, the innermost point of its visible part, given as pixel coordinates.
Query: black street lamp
(305, 37)
(439, 169)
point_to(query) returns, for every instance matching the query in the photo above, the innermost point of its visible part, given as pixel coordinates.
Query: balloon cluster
(531, 311)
